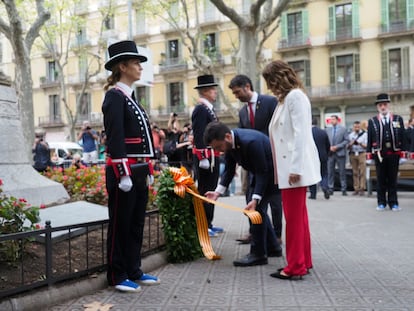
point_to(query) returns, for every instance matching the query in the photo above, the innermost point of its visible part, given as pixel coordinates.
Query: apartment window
(344, 21)
(176, 96)
(81, 35)
(295, 30)
(142, 95)
(246, 4)
(209, 44)
(54, 108)
(209, 11)
(84, 104)
(345, 71)
(294, 22)
(302, 69)
(173, 10)
(83, 67)
(140, 22)
(51, 71)
(395, 68)
(109, 22)
(173, 52)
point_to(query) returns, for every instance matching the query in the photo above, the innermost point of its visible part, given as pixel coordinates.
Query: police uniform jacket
(376, 131)
(128, 130)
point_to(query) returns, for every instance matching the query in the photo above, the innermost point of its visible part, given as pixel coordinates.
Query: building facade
(346, 52)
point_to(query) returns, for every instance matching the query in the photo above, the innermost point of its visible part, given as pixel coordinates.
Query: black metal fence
(52, 255)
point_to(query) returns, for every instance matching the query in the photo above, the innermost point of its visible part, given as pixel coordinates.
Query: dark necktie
(133, 96)
(251, 115)
(333, 135)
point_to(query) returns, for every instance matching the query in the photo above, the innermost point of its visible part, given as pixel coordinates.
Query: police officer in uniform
(129, 141)
(206, 160)
(385, 143)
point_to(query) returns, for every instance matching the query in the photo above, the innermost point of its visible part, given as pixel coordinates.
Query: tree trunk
(246, 56)
(24, 89)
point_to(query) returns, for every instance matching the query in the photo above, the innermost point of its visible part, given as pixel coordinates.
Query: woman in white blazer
(296, 162)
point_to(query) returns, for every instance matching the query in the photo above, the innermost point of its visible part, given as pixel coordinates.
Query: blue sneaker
(211, 233)
(381, 208)
(217, 229)
(128, 286)
(147, 279)
(395, 208)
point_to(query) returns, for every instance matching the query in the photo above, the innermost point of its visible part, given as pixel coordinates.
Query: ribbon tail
(202, 229)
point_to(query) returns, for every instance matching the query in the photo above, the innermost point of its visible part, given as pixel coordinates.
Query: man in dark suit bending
(251, 150)
(256, 114)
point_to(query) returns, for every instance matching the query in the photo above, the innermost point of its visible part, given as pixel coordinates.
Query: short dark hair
(357, 122)
(215, 131)
(334, 116)
(314, 121)
(240, 81)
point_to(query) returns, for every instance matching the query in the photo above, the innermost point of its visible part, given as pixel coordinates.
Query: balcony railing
(360, 88)
(94, 118)
(173, 64)
(52, 120)
(396, 27)
(294, 41)
(343, 33)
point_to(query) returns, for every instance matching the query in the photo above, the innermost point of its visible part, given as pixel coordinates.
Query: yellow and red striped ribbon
(184, 183)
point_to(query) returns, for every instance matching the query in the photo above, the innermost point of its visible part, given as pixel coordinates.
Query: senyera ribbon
(184, 183)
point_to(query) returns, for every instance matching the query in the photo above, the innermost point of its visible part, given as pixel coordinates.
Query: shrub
(179, 225)
(14, 214)
(85, 183)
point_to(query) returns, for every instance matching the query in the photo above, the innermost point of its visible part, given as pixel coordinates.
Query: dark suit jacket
(409, 139)
(252, 151)
(264, 111)
(322, 142)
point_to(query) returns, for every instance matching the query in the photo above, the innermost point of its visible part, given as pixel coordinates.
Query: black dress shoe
(278, 274)
(245, 240)
(274, 253)
(250, 260)
(326, 194)
(312, 198)
(331, 192)
(344, 193)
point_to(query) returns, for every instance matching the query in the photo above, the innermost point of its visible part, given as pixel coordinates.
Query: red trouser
(298, 245)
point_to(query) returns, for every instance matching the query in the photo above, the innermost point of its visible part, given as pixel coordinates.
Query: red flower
(1, 182)
(42, 206)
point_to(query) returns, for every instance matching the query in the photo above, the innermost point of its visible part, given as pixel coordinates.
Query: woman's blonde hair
(281, 77)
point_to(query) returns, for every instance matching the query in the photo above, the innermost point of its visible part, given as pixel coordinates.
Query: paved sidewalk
(363, 260)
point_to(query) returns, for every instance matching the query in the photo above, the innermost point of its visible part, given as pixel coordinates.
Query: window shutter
(384, 16)
(355, 19)
(332, 24)
(385, 68)
(357, 71)
(405, 67)
(332, 73)
(410, 14)
(307, 73)
(305, 26)
(284, 27)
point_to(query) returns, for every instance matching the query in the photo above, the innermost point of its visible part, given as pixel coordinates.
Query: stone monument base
(23, 181)
(20, 179)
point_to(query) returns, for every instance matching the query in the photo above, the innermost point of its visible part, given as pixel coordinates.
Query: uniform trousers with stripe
(298, 244)
(125, 230)
(207, 180)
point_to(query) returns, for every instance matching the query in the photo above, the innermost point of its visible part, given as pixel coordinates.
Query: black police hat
(205, 81)
(123, 50)
(383, 98)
